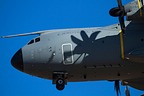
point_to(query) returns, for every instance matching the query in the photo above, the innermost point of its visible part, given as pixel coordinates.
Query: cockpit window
(32, 41)
(37, 39)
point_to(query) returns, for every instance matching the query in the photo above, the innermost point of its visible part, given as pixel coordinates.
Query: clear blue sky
(21, 16)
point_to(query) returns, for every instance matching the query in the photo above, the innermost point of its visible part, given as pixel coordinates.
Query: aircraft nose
(17, 60)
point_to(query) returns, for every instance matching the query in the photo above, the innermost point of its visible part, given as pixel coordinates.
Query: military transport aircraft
(113, 53)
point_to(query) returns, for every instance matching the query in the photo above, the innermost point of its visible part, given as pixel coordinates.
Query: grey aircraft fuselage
(88, 54)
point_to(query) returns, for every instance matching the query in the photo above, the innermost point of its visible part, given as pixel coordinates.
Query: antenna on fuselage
(25, 34)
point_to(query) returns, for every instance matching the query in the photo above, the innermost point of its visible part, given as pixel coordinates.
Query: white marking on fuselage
(67, 44)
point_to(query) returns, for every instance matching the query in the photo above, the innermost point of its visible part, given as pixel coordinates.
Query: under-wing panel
(136, 56)
(137, 83)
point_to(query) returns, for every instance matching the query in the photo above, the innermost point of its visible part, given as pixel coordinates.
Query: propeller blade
(127, 92)
(119, 12)
(122, 24)
(117, 87)
(119, 4)
(121, 15)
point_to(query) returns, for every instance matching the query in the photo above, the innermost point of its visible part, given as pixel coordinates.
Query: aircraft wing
(137, 83)
(135, 11)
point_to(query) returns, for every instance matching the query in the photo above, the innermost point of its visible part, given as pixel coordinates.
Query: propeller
(117, 87)
(120, 13)
(127, 92)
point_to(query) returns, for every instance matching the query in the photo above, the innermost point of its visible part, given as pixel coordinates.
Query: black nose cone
(17, 60)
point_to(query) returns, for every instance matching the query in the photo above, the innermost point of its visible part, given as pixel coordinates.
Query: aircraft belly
(115, 73)
(82, 73)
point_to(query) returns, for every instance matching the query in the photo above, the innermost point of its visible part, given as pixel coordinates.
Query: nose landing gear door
(67, 53)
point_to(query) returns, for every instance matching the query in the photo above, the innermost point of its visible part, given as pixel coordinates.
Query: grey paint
(96, 52)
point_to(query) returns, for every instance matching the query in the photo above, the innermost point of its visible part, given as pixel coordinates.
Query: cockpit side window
(37, 39)
(32, 41)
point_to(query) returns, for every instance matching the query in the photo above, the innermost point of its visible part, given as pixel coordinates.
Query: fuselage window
(37, 39)
(32, 41)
